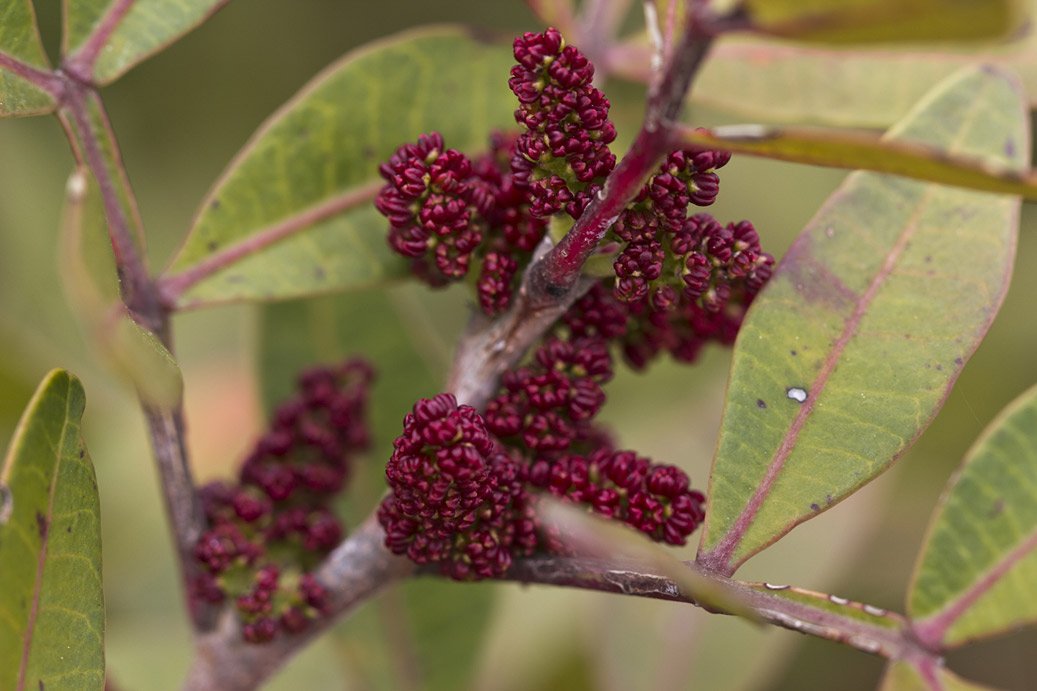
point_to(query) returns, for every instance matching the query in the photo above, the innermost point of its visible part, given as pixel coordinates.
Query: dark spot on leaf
(41, 524)
(998, 508)
(211, 245)
(958, 361)
(82, 453)
(303, 132)
(69, 528)
(928, 259)
(939, 367)
(318, 273)
(815, 507)
(40, 682)
(927, 365)
(907, 336)
(214, 204)
(760, 403)
(1010, 147)
(828, 499)
(368, 152)
(792, 352)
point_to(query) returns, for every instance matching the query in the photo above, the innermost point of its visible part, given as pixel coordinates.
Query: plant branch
(172, 286)
(81, 64)
(82, 115)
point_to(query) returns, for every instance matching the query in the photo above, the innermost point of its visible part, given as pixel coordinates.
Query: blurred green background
(179, 118)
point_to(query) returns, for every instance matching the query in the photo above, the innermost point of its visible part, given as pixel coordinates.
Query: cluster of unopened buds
(465, 485)
(681, 280)
(271, 528)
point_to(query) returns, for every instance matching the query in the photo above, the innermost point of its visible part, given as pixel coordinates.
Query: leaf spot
(793, 353)
(760, 403)
(796, 394)
(998, 508)
(82, 453)
(41, 525)
(214, 204)
(958, 361)
(1009, 147)
(815, 507)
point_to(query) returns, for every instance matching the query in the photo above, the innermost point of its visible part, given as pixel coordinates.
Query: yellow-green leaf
(21, 59)
(51, 602)
(293, 214)
(977, 570)
(882, 21)
(852, 348)
(902, 675)
(105, 38)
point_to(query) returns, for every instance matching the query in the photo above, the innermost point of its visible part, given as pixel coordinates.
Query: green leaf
(852, 348)
(902, 675)
(276, 226)
(21, 58)
(978, 566)
(866, 151)
(91, 283)
(104, 39)
(882, 21)
(51, 602)
(779, 82)
(386, 328)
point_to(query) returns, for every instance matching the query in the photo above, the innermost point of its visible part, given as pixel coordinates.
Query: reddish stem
(554, 276)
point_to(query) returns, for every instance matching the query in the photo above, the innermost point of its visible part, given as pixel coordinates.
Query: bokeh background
(179, 118)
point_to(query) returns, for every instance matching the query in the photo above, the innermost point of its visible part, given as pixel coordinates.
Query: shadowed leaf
(293, 215)
(882, 21)
(20, 52)
(977, 570)
(109, 37)
(51, 603)
(904, 676)
(851, 350)
(92, 286)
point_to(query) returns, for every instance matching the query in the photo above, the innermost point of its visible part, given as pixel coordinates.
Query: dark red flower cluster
(445, 209)
(455, 496)
(655, 499)
(269, 530)
(563, 155)
(464, 485)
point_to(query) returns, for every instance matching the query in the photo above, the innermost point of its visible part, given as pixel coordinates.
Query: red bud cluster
(270, 529)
